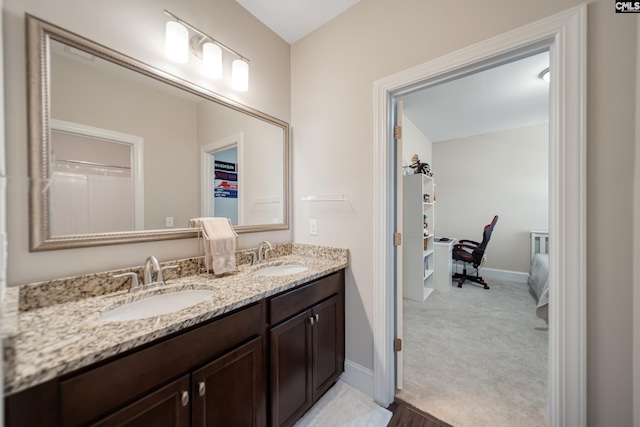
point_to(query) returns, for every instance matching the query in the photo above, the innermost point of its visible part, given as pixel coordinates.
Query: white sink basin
(281, 270)
(156, 305)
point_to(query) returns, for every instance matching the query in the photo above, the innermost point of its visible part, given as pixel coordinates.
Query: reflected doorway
(222, 179)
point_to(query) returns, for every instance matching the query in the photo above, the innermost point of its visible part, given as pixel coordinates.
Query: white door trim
(137, 158)
(565, 35)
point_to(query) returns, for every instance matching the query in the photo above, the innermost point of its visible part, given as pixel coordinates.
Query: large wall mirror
(122, 152)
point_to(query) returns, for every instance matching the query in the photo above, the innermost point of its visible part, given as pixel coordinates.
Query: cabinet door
(167, 407)
(230, 391)
(290, 369)
(328, 345)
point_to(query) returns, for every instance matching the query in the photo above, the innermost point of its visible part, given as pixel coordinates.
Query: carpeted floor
(343, 405)
(476, 357)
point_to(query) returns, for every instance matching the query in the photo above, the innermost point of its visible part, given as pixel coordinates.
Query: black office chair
(470, 252)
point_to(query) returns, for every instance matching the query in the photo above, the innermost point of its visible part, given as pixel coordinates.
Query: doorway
(221, 178)
(565, 37)
(473, 356)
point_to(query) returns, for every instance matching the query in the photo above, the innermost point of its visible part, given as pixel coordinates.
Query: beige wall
(502, 173)
(333, 71)
(135, 29)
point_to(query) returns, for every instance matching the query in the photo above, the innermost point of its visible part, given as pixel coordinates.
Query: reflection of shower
(92, 182)
(90, 198)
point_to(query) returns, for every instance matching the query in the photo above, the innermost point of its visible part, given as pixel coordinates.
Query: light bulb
(212, 60)
(240, 75)
(177, 42)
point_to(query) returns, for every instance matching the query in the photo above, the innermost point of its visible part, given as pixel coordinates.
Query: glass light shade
(212, 60)
(240, 75)
(176, 45)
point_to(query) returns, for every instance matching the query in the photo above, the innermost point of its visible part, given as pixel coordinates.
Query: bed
(539, 274)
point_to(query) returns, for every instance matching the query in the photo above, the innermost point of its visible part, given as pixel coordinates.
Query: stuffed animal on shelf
(420, 167)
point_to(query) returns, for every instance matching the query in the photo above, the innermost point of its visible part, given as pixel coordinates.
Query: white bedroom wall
(414, 142)
(502, 173)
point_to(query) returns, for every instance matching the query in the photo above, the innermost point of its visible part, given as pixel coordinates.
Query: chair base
(462, 277)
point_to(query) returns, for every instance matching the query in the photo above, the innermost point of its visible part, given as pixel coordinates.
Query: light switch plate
(168, 221)
(313, 227)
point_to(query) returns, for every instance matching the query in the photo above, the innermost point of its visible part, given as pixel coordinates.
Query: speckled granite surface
(60, 291)
(59, 338)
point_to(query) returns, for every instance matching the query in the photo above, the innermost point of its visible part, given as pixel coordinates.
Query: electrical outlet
(168, 221)
(313, 227)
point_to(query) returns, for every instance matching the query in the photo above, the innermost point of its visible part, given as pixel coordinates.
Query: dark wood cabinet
(226, 392)
(213, 374)
(229, 390)
(167, 407)
(291, 369)
(326, 353)
(153, 382)
(307, 350)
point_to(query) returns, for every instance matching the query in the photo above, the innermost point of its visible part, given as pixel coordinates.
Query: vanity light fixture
(545, 75)
(206, 48)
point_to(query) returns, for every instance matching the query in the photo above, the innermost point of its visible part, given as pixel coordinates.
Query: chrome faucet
(151, 265)
(267, 251)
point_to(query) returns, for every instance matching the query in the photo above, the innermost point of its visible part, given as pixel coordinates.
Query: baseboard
(512, 276)
(358, 376)
(497, 274)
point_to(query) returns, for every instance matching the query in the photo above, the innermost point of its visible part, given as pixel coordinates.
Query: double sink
(171, 302)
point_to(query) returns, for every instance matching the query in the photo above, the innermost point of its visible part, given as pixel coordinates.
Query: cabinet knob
(317, 317)
(312, 320)
(202, 388)
(185, 398)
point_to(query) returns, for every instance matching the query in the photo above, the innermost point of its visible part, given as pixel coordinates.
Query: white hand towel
(219, 245)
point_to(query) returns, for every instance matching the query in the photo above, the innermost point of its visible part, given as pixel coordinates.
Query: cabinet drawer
(292, 302)
(102, 390)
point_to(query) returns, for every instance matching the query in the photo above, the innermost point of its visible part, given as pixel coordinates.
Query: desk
(443, 264)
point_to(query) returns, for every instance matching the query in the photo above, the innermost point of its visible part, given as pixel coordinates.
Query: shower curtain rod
(104, 165)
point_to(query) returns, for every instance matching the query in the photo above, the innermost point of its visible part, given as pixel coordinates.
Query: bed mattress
(539, 283)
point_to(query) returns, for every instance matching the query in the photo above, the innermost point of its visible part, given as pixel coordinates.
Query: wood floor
(405, 415)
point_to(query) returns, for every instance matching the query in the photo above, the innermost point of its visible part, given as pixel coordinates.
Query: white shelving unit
(418, 230)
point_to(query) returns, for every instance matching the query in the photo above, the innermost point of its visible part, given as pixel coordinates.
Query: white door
(398, 141)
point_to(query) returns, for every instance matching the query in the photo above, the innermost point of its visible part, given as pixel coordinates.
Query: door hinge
(397, 239)
(397, 344)
(397, 132)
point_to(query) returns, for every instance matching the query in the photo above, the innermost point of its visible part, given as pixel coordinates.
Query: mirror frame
(39, 33)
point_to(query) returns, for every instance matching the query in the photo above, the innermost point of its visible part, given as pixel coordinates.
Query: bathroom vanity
(261, 354)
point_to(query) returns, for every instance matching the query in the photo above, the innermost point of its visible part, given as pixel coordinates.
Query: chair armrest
(469, 242)
(464, 246)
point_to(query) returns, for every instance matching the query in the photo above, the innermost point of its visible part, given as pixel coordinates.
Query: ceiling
(294, 19)
(504, 97)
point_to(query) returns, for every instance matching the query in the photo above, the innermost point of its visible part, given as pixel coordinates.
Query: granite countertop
(61, 338)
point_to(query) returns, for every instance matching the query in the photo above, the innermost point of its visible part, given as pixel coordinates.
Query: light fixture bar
(195, 30)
